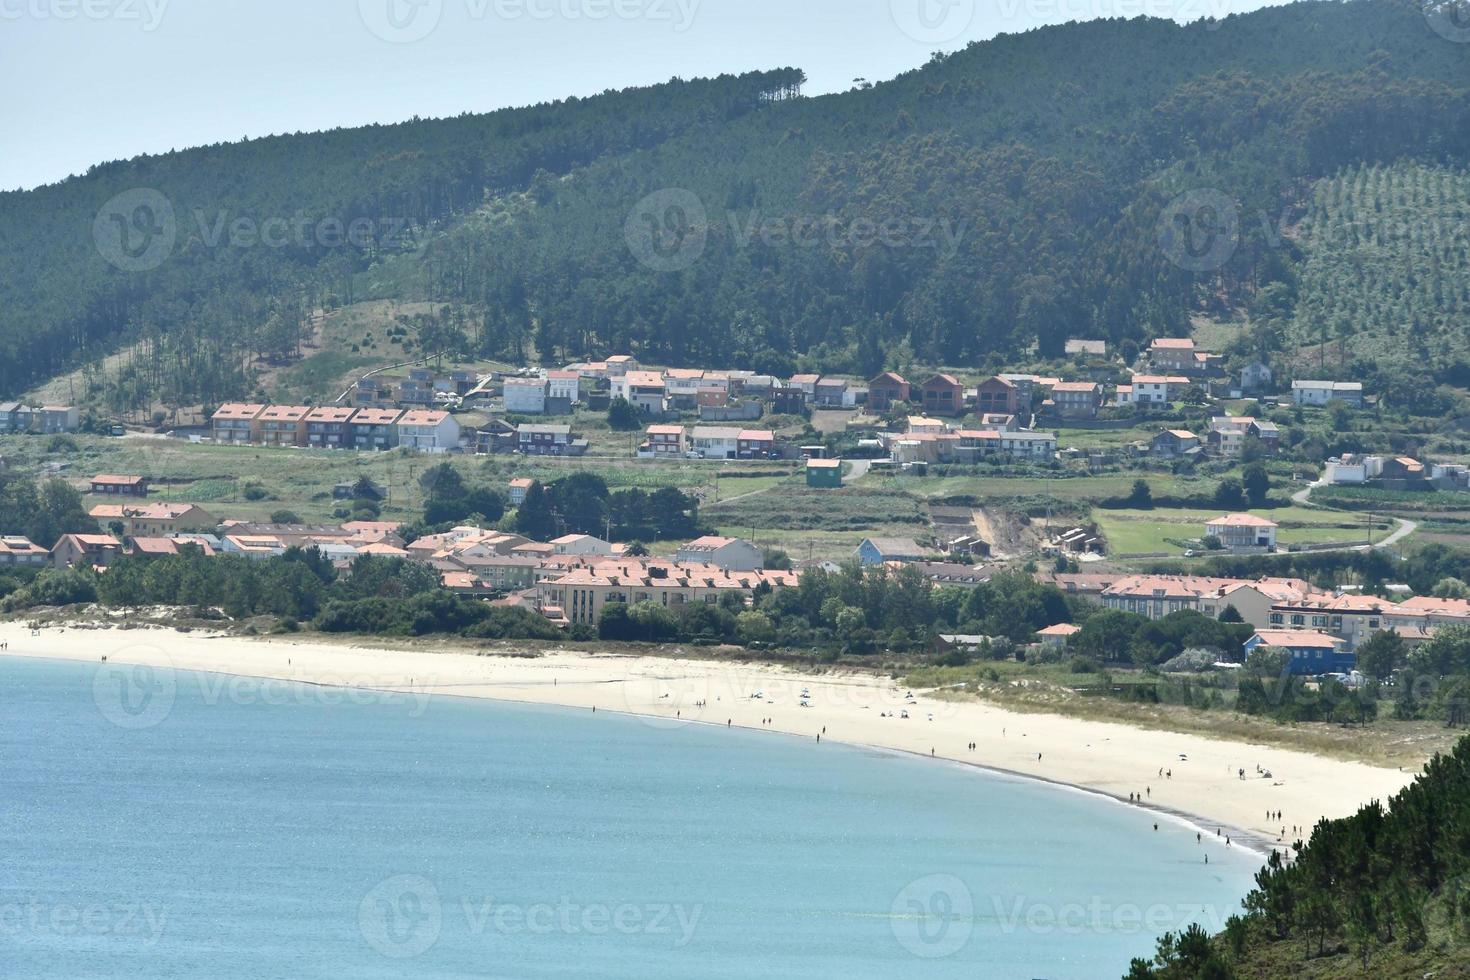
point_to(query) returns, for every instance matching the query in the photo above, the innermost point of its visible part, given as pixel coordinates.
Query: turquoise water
(239, 831)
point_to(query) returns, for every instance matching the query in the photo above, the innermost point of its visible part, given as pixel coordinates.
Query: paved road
(1406, 527)
(857, 469)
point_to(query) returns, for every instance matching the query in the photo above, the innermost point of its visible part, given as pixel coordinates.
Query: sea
(160, 824)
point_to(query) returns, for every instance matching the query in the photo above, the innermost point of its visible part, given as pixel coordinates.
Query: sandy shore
(1106, 758)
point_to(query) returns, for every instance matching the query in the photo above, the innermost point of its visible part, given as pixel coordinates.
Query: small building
(1056, 637)
(644, 390)
(726, 554)
(1243, 532)
(525, 396)
(716, 442)
(887, 390)
(1174, 442)
(584, 545)
(18, 550)
(544, 440)
(1077, 399)
(97, 550)
(120, 486)
(835, 393)
(619, 365)
(943, 395)
(997, 396)
(879, 551)
(755, 444)
(1319, 393)
(1312, 653)
(1256, 376)
(824, 474)
(666, 441)
(564, 386)
(518, 489)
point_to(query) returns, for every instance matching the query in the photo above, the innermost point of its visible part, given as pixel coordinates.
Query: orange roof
(236, 412)
(285, 413)
(376, 416)
(1241, 520)
(130, 481)
(1172, 343)
(423, 417)
(1061, 629)
(823, 464)
(329, 413)
(1298, 638)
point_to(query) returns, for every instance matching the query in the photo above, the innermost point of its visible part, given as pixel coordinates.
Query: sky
(90, 81)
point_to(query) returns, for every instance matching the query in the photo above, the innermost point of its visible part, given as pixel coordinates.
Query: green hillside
(1024, 190)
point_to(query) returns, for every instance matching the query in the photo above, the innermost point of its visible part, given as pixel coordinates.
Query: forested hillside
(1383, 893)
(1016, 193)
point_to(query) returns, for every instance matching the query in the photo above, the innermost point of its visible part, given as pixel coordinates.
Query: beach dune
(1205, 788)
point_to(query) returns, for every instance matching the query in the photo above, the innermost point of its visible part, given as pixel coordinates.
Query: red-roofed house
(1243, 532)
(943, 395)
(887, 390)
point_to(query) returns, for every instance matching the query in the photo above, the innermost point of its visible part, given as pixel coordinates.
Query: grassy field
(1074, 488)
(1143, 532)
(301, 480)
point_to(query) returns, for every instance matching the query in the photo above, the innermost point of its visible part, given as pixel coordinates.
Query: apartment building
(375, 429)
(281, 425)
(329, 428)
(235, 423)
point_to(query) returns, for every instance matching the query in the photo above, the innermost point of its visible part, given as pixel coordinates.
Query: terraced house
(235, 423)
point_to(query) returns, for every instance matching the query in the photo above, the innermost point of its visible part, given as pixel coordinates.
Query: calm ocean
(180, 825)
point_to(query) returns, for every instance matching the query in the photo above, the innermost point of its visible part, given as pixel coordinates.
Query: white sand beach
(863, 710)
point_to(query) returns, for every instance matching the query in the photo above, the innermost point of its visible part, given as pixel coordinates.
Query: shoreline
(1102, 759)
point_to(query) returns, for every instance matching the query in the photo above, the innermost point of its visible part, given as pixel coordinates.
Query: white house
(525, 396)
(1243, 532)
(1352, 470)
(564, 385)
(1029, 445)
(582, 545)
(716, 442)
(428, 432)
(1317, 393)
(726, 554)
(646, 391)
(1151, 389)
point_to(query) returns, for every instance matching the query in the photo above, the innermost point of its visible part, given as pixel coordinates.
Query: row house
(375, 429)
(235, 423)
(329, 428)
(372, 393)
(582, 594)
(281, 425)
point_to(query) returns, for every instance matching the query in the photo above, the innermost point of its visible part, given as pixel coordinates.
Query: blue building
(1312, 654)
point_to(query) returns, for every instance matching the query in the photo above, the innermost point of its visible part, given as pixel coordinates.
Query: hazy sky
(87, 81)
